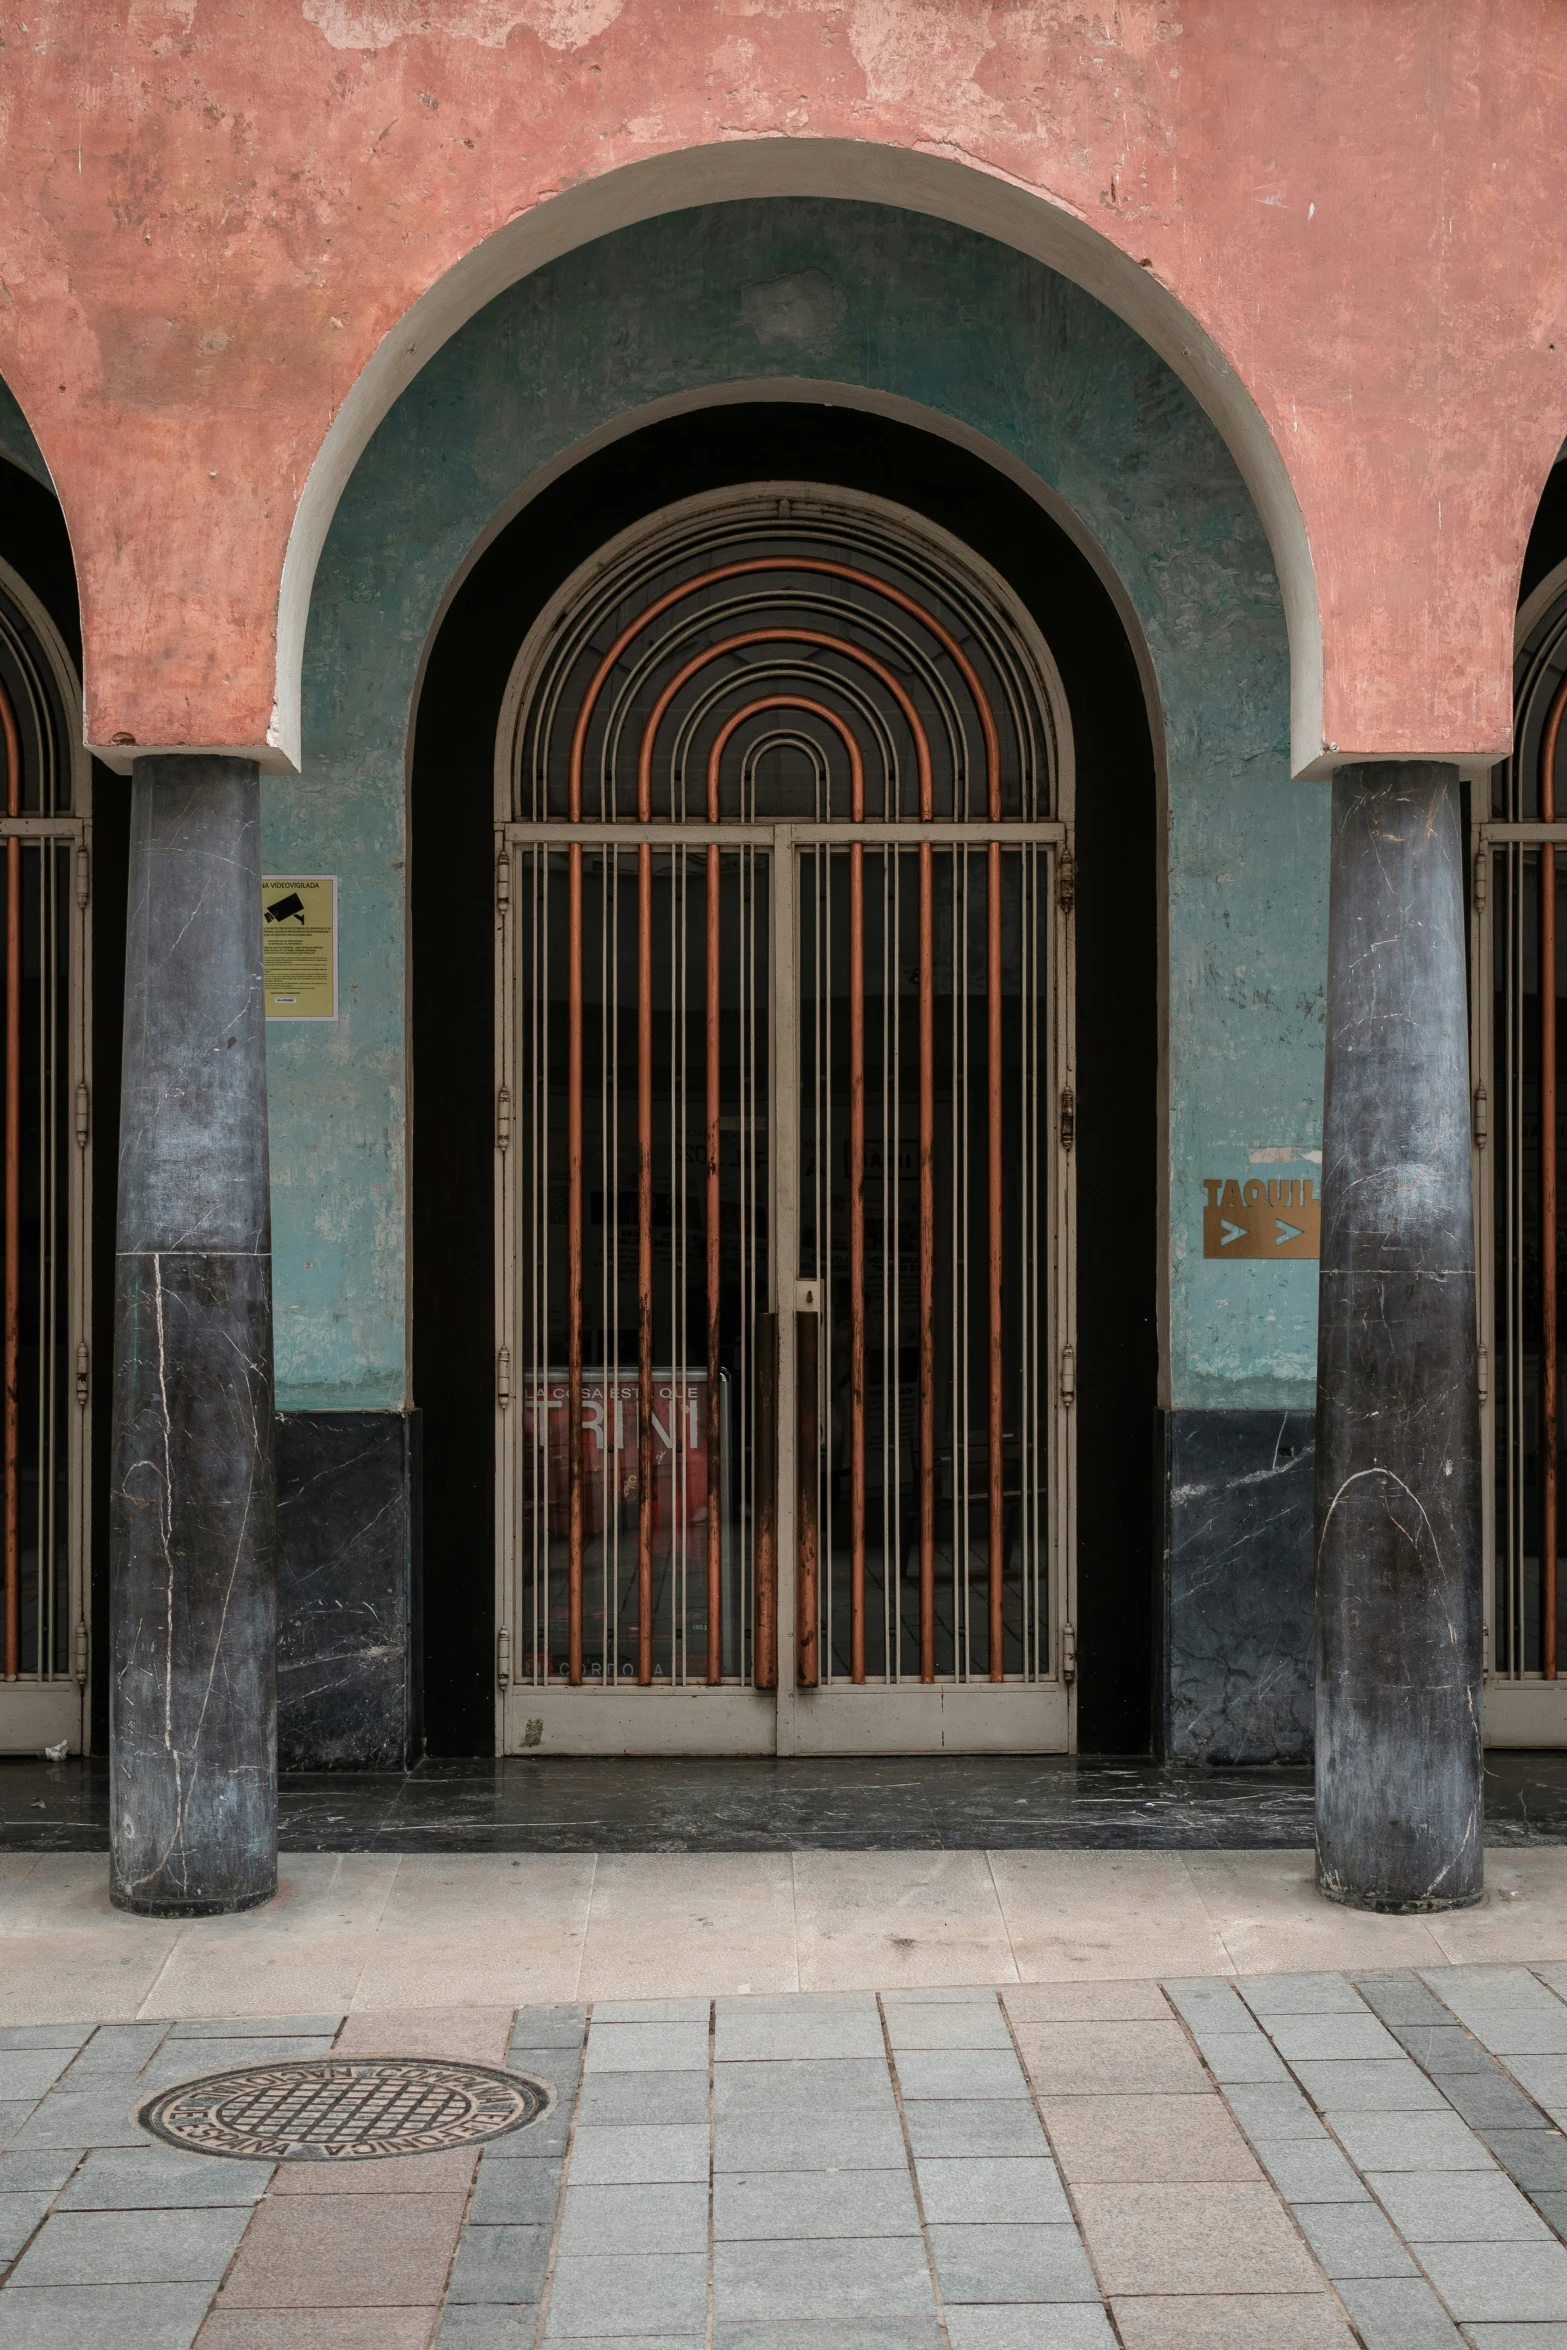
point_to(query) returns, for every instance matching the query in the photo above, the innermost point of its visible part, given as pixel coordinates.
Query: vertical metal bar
(1549, 1436)
(715, 1670)
(13, 1190)
(993, 1281)
(857, 1263)
(927, 1375)
(765, 1641)
(574, 1265)
(645, 1264)
(807, 1600)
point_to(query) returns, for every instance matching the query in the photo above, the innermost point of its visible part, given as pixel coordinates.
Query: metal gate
(45, 1189)
(783, 1123)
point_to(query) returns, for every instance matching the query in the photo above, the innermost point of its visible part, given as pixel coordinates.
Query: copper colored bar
(764, 1662)
(13, 1194)
(1550, 1440)
(993, 1269)
(715, 1521)
(856, 1263)
(645, 1265)
(807, 1599)
(927, 1495)
(574, 1268)
(787, 702)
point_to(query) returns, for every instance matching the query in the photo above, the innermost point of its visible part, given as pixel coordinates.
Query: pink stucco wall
(215, 212)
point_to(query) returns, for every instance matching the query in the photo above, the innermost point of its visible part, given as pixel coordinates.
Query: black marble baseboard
(1238, 1643)
(349, 1616)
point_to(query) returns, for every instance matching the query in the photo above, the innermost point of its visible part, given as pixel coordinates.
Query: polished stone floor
(921, 1803)
(1284, 2161)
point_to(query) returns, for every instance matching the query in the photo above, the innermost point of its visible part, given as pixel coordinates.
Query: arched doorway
(785, 1106)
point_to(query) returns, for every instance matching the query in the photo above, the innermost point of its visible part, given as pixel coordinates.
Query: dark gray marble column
(1399, 1811)
(193, 1700)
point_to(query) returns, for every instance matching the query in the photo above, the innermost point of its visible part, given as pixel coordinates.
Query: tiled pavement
(1274, 2162)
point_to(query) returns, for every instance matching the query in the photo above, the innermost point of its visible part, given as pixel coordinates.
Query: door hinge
(82, 1116)
(81, 1653)
(83, 1372)
(1483, 1367)
(1068, 1375)
(1066, 882)
(503, 1377)
(83, 875)
(1482, 1118)
(1485, 1666)
(1069, 1654)
(502, 1119)
(503, 1657)
(1481, 879)
(1068, 1117)
(502, 882)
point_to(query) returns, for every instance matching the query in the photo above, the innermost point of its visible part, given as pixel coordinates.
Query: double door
(784, 1365)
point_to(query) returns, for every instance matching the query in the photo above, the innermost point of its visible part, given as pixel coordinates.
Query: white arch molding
(901, 178)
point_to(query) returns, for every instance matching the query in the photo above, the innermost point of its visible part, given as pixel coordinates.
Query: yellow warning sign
(299, 945)
(1257, 1219)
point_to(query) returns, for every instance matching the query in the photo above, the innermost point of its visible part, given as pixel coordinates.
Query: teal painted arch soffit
(890, 306)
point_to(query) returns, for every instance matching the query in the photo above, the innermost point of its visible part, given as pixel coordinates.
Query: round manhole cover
(343, 2108)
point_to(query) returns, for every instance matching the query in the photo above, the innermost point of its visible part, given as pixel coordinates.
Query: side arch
(983, 202)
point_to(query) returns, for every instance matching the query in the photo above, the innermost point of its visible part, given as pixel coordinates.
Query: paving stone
(1492, 2281)
(1509, 2337)
(1333, 2039)
(651, 2011)
(1207, 2001)
(19, 2215)
(614, 2294)
(1398, 2313)
(1280, 1995)
(1194, 2239)
(826, 2028)
(132, 2248)
(1552, 2208)
(516, 2194)
(634, 2219)
(1535, 2158)
(892, 2333)
(1107, 2058)
(479, 2325)
(1400, 1997)
(1313, 2172)
(120, 2049)
(25, 2073)
(1409, 2141)
(846, 2141)
(887, 2276)
(87, 2117)
(1024, 2325)
(1457, 2207)
(952, 2126)
(611, 2154)
(12, 2117)
(505, 2264)
(970, 2073)
(797, 2204)
(1545, 2080)
(25, 2174)
(1148, 2139)
(561, 2068)
(1273, 2113)
(153, 2178)
(1352, 2240)
(947, 2027)
(257, 2027)
(103, 2317)
(661, 2098)
(1367, 2085)
(1442, 2049)
(1012, 2264)
(1242, 2057)
(562, 2026)
(345, 2252)
(647, 2048)
(1011, 2192)
(1490, 2101)
(806, 2085)
(72, 2036)
(1233, 2321)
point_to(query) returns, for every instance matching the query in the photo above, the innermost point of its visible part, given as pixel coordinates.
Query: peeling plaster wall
(892, 304)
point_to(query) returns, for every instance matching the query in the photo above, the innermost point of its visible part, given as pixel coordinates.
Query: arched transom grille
(787, 658)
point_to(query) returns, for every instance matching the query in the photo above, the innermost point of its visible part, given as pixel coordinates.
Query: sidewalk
(810, 2101)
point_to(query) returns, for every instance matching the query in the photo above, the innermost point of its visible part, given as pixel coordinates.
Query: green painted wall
(857, 296)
